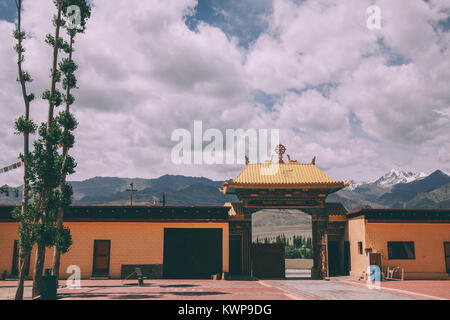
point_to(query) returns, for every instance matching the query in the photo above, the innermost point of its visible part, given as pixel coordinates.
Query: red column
(319, 239)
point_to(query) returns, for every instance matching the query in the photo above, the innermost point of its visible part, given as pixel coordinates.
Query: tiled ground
(291, 288)
(338, 290)
(432, 288)
(160, 289)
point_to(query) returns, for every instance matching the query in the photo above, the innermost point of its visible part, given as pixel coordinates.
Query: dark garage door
(192, 253)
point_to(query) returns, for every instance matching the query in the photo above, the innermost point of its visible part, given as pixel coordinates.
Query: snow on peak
(394, 177)
(353, 184)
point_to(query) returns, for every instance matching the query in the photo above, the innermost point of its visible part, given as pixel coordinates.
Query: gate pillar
(319, 239)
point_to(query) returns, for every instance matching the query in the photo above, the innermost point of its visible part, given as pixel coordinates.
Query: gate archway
(282, 185)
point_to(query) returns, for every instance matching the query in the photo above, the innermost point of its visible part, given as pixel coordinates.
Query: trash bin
(48, 290)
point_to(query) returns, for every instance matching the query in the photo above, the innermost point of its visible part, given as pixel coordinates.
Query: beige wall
(356, 232)
(429, 238)
(131, 243)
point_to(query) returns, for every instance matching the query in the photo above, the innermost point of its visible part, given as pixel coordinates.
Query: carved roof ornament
(269, 160)
(246, 160)
(291, 160)
(313, 161)
(280, 150)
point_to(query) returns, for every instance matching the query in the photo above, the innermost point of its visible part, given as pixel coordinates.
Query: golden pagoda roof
(282, 174)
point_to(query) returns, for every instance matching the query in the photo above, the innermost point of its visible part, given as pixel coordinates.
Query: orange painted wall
(131, 243)
(429, 238)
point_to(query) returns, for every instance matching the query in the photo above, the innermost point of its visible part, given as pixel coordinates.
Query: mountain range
(395, 189)
(178, 190)
(398, 189)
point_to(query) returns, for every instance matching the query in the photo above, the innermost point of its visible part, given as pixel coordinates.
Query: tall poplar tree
(47, 166)
(66, 119)
(46, 169)
(25, 126)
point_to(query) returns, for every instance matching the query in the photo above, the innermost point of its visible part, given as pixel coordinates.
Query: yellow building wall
(356, 232)
(131, 243)
(429, 238)
(8, 233)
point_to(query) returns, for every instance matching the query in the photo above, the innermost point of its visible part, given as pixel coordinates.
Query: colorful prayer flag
(11, 167)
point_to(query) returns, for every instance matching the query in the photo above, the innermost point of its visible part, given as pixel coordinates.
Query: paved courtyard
(341, 290)
(287, 289)
(159, 290)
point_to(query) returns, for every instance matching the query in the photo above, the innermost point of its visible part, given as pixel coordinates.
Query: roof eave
(332, 185)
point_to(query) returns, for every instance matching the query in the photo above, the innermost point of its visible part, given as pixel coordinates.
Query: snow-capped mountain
(394, 177)
(353, 184)
(398, 189)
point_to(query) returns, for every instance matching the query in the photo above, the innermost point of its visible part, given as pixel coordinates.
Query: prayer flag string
(11, 167)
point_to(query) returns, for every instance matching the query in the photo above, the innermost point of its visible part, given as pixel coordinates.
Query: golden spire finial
(280, 149)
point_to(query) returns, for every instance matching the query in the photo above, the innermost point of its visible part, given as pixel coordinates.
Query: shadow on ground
(178, 286)
(193, 294)
(139, 296)
(81, 295)
(137, 285)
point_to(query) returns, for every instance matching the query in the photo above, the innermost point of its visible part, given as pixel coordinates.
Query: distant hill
(178, 190)
(436, 199)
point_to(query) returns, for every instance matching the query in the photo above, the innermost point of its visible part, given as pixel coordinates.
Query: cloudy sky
(363, 101)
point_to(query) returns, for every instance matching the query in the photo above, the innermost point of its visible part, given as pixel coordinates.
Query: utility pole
(131, 190)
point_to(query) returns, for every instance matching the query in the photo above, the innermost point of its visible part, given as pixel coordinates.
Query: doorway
(236, 255)
(192, 253)
(333, 257)
(101, 257)
(347, 258)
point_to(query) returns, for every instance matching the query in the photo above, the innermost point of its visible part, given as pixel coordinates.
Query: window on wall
(360, 247)
(401, 250)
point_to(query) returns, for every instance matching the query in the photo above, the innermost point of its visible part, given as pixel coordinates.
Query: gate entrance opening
(285, 185)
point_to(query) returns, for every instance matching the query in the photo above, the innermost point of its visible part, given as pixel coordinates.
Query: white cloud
(143, 73)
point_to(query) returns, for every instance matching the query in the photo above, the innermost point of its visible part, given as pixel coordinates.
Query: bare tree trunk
(23, 262)
(59, 225)
(38, 268)
(57, 252)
